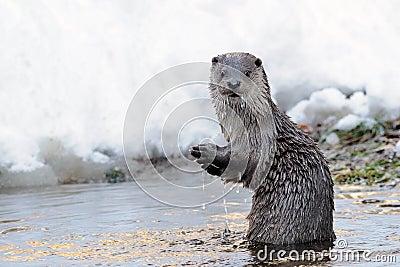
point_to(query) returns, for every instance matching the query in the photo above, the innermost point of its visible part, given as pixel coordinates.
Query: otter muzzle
(233, 84)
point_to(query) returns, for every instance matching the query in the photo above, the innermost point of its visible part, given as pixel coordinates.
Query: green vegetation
(379, 171)
(115, 175)
(363, 132)
(365, 154)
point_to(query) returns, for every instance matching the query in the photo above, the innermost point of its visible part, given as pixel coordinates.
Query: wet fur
(293, 189)
(294, 204)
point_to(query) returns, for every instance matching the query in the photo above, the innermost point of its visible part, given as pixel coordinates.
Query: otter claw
(194, 151)
(206, 153)
(212, 158)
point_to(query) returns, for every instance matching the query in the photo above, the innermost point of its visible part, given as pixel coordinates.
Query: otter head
(240, 92)
(238, 76)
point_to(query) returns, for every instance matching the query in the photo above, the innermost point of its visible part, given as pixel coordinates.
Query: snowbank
(331, 106)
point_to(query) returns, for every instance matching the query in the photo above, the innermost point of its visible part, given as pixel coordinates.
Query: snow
(397, 149)
(350, 121)
(320, 107)
(332, 139)
(331, 106)
(69, 69)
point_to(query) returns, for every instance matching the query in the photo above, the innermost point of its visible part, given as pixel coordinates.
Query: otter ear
(214, 60)
(258, 62)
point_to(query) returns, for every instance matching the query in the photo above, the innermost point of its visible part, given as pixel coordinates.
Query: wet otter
(293, 189)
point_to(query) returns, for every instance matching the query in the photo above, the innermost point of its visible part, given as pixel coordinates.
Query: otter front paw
(204, 153)
(212, 158)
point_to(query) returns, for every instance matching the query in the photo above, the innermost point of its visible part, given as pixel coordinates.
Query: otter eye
(214, 60)
(258, 62)
(247, 73)
(222, 73)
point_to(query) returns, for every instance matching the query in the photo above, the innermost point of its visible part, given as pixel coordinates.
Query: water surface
(119, 225)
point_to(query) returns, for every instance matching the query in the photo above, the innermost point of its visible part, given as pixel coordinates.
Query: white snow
(351, 121)
(331, 106)
(321, 105)
(397, 149)
(69, 69)
(332, 139)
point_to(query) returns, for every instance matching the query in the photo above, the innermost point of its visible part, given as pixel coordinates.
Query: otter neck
(250, 127)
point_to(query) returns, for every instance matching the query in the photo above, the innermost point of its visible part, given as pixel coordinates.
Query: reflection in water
(115, 224)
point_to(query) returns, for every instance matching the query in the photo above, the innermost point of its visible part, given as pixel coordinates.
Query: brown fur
(293, 190)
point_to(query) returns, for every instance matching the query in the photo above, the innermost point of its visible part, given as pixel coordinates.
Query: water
(119, 225)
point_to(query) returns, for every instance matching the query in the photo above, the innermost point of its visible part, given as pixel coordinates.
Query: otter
(293, 190)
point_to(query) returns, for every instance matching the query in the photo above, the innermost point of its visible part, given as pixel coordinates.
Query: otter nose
(233, 84)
